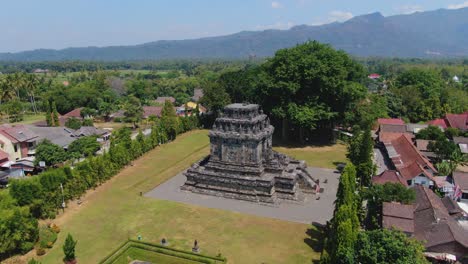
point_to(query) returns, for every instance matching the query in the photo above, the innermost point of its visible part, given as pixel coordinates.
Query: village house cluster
(441, 223)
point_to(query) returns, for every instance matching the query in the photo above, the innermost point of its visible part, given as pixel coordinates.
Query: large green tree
(18, 229)
(309, 86)
(50, 153)
(169, 120)
(388, 246)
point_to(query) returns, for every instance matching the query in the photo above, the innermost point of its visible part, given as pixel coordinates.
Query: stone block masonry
(242, 164)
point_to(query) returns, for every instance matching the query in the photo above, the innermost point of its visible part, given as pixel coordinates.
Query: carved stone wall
(242, 164)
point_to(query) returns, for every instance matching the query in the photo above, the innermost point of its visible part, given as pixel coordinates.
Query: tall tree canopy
(308, 86)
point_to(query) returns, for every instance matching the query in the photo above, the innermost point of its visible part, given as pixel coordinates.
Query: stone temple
(242, 164)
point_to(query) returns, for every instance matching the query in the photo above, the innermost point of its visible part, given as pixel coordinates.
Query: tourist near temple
(242, 164)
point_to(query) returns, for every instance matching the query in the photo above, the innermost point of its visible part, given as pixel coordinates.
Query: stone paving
(308, 212)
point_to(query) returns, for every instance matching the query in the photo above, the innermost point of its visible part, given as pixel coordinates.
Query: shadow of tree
(315, 238)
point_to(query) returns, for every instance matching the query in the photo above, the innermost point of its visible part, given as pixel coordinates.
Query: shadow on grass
(315, 238)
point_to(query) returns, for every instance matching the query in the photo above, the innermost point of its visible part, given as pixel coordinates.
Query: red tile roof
(390, 121)
(385, 137)
(438, 122)
(410, 162)
(457, 120)
(389, 176)
(76, 113)
(18, 133)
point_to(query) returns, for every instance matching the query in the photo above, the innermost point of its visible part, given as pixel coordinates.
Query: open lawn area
(31, 118)
(321, 156)
(115, 212)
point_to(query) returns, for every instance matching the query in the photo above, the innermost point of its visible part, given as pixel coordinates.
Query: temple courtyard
(314, 209)
(116, 211)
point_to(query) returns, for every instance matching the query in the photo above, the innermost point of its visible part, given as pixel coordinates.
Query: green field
(115, 212)
(323, 157)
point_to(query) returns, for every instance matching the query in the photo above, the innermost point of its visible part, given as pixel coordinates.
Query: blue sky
(32, 24)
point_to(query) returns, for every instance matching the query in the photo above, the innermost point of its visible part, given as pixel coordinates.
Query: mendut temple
(242, 164)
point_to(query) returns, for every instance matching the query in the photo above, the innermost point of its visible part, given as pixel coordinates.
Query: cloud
(458, 6)
(339, 16)
(276, 5)
(277, 25)
(410, 9)
(333, 16)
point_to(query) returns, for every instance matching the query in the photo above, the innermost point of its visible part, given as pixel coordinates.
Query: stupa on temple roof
(242, 164)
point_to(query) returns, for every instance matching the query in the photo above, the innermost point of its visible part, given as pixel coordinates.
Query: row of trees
(41, 196)
(346, 241)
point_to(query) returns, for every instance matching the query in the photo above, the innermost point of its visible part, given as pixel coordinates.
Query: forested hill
(439, 33)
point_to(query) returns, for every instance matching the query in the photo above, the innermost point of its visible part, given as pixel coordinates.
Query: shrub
(40, 251)
(54, 228)
(47, 237)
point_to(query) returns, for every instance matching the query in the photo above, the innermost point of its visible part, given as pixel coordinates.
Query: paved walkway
(312, 210)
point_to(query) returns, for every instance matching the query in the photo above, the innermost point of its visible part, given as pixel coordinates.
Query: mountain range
(438, 33)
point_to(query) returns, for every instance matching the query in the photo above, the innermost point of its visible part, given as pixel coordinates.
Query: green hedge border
(109, 259)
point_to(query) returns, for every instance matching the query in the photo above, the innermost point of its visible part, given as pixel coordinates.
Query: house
(61, 136)
(415, 128)
(409, 162)
(374, 76)
(462, 143)
(163, 99)
(440, 122)
(431, 220)
(16, 141)
(189, 108)
(422, 146)
(398, 216)
(390, 121)
(85, 131)
(75, 113)
(4, 158)
(152, 111)
(391, 176)
(197, 94)
(459, 121)
(460, 180)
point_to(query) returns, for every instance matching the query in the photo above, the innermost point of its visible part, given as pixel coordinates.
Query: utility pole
(63, 199)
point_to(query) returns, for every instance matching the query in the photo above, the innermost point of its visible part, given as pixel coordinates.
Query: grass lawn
(115, 212)
(32, 118)
(323, 156)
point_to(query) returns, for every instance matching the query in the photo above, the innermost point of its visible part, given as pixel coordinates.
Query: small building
(459, 121)
(390, 121)
(462, 143)
(374, 76)
(391, 176)
(152, 111)
(197, 94)
(422, 146)
(16, 141)
(460, 180)
(431, 220)
(409, 162)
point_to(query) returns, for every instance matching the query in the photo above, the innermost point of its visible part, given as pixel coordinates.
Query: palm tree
(31, 83)
(7, 91)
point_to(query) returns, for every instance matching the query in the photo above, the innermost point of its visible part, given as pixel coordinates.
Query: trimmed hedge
(161, 250)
